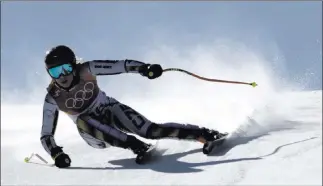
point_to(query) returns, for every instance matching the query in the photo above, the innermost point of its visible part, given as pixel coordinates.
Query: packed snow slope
(275, 129)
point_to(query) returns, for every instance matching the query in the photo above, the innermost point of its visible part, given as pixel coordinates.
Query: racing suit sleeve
(112, 67)
(49, 123)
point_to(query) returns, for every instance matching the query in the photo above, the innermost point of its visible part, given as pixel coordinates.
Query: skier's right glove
(61, 159)
(150, 71)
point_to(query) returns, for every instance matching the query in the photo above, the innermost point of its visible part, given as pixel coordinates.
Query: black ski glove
(150, 71)
(61, 159)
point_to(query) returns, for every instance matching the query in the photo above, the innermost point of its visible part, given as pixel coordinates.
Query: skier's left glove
(61, 159)
(150, 71)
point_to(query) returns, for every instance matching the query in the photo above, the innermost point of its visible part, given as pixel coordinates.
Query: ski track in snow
(277, 144)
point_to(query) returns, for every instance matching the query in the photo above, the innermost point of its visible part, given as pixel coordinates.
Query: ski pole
(253, 84)
(27, 159)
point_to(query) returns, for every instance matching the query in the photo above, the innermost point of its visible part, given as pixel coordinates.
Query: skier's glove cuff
(151, 71)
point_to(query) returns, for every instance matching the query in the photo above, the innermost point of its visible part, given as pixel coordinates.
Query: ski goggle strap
(61, 70)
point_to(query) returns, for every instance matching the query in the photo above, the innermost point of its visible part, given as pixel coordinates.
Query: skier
(101, 120)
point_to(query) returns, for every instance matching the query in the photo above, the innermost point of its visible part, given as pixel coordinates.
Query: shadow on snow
(170, 163)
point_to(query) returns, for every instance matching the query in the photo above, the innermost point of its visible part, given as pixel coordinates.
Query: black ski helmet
(59, 55)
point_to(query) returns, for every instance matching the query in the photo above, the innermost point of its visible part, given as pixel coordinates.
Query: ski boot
(142, 153)
(211, 136)
(141, 149)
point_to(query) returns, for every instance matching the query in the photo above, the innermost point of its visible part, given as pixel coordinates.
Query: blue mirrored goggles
(61, 70)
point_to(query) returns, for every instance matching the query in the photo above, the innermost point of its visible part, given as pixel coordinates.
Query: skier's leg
(129, 120)
(91, 136)
(100, 135)
(140, 125)
(93, 139)
(181, 131)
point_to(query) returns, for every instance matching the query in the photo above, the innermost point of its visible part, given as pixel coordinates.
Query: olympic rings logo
(80, 97)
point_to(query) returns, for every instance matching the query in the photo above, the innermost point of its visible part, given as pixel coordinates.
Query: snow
(277, 144)
(275, 129)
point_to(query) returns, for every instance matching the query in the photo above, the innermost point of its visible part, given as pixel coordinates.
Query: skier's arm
(112, 67)
(50, 117)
